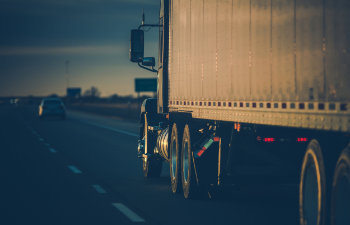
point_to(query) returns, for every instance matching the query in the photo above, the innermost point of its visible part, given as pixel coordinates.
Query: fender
(148, 106)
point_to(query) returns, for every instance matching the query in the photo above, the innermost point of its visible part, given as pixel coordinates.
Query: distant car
(14, 101)
(52, 107)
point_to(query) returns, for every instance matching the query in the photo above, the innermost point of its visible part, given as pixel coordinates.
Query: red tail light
(301, 139)
(269, 139)
(216, 139)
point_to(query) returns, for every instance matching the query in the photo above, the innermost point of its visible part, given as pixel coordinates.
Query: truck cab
(136, 54)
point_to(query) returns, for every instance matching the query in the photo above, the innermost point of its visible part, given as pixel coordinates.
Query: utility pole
(67, 72)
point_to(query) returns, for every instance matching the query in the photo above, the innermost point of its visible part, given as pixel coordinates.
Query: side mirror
(149, 61)
(136, 46)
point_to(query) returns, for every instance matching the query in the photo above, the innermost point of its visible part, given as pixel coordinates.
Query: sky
(38, 37)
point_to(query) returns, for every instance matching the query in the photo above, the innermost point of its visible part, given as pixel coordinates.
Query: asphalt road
(84, 170)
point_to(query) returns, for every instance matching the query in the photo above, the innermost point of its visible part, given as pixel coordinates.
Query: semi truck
(236, 75)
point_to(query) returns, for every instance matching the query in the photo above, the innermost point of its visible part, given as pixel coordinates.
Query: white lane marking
(128, 213)
(112, 129)
(52, 150)
(74, 169)
(41, 139)
(99, 189)
(47, 144)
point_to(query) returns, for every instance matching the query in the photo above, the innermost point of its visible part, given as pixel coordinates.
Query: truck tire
(340, 202)
(151, 166)
(174, 156)
(312, 188)
(189, 185)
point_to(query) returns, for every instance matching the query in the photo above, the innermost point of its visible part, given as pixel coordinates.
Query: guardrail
(122, 110)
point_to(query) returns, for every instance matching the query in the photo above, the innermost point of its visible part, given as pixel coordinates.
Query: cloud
(63, 50)
(84, 2)
(73, 7)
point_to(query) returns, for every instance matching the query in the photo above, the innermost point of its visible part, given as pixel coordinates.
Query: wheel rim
(185, 161)
(310, 196)
(342, 201)
(173, 158)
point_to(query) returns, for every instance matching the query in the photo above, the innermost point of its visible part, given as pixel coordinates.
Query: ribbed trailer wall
(273, 62)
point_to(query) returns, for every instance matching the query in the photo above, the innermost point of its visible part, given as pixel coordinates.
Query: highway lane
(37, 184)
(73, 171)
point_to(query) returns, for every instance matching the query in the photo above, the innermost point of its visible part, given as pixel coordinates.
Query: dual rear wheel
(182, 174)
(340, 202)
(312, 189)
(321, 203)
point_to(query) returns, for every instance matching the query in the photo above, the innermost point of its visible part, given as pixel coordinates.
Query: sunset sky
(39, 36)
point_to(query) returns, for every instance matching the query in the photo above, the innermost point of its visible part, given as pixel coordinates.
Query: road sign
(145, 84)
(73, 92)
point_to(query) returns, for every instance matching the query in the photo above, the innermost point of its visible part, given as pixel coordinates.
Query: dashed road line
(112, 129)
(47, 144)
(128, 212)
(99, 189)
(74, 169)
(41, 139)
(52, 150)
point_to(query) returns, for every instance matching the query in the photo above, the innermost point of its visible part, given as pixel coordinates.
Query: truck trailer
(235, 75)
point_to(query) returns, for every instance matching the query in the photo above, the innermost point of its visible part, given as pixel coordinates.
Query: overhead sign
(73, 92)
(145, 84)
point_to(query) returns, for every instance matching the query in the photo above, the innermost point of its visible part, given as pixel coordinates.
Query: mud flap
(206, 161)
